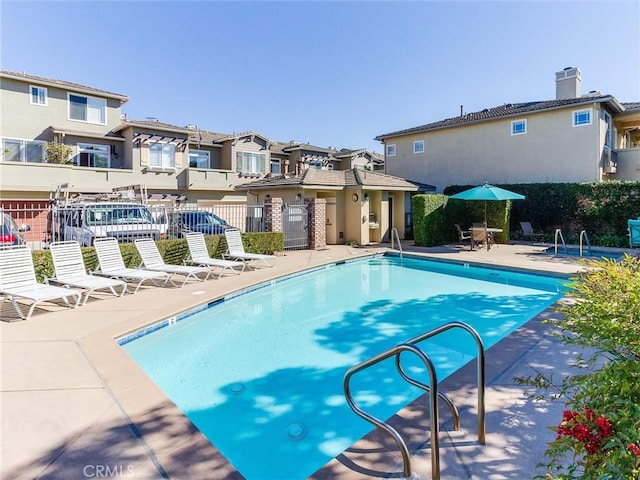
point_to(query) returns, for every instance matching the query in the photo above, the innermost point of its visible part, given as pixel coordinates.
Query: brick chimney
(568, 83)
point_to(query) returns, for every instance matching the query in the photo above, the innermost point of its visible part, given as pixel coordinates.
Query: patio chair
(199, 255)
(18, 280)
(634, 233)
(527, 231)
(463, 235)
(69, 271)
(112, 265)
(235, 250)
(479, 237)
(152, 260)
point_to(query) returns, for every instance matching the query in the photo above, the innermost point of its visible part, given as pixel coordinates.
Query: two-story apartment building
(109, 150)
(574, 138)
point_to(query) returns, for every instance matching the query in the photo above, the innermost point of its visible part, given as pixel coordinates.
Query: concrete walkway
(75, 406)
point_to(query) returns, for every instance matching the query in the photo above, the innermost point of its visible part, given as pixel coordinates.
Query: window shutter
(264, 164)
(239, 162)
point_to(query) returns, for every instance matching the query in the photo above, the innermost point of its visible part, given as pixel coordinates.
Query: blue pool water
(261, 374)
(588, 255)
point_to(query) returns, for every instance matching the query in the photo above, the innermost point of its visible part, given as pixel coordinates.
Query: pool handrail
(480, 370)
(431, 390)
(433, 408)
(557, 235)
(397, 236)
(583, 234)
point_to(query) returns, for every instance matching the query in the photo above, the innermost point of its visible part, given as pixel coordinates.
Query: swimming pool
(586, 254)
(260, 374)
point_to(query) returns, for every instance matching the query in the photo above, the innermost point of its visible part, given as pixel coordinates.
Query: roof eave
(608, 99)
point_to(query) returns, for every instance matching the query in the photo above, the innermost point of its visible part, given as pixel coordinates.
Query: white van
(125, 221)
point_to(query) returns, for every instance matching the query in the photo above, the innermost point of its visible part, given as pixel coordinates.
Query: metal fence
(48, 222)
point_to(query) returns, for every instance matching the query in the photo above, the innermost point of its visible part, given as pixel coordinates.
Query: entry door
(387, 233)
(332, 218)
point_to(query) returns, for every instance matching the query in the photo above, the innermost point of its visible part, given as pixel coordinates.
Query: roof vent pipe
(462, 110)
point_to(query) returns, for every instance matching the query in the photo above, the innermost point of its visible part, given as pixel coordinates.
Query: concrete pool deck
(74, 405)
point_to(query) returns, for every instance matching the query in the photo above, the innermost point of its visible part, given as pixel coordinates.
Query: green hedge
(172, 251)
(435, 216)
(600, 208)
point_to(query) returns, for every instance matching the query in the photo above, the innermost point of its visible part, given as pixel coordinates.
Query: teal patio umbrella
(487, 192)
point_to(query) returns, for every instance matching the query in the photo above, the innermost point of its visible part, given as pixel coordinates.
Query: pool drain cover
(296, 431)
(236, 388)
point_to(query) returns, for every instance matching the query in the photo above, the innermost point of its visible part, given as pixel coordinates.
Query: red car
(10, 233)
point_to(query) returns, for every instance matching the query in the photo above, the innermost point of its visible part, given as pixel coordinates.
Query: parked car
(10, 233)
(125, 221)
(196, 221)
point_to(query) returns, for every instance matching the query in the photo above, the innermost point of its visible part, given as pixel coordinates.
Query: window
(198, 159)
(247, 162)
(162, 155)
(276, 166)
(391, 150)
(418, 147)
(330, 166)
(519, 127)
(22, 151)
(316, 164)
(97, 156)
(38, 95)
(582, 117)
(87, 109)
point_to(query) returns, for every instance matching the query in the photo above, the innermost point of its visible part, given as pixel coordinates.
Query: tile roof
(62, 84)
(152, 124)
(507, 110)
(334, 178)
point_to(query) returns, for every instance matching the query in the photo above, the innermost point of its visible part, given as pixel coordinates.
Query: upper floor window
(418, 146)
(582, 117)
(38, 95)
(276, 166)
(23, 151)
(519, 127)
(87, 109)
(162, 155)
(249, 162)
(391, 150)
(97, 156)
(316, 164)
(198, 159)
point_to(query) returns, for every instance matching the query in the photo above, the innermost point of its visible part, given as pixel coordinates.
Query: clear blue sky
(327, 73)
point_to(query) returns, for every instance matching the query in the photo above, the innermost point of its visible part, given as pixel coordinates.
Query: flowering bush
(598, 437)
(588, 430)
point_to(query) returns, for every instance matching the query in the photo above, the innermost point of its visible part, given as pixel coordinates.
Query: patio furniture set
(72, 284)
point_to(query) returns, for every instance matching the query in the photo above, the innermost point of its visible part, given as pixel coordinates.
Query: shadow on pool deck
(74, 405)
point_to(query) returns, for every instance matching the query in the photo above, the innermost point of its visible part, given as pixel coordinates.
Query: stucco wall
(552, 150)
(22, 120)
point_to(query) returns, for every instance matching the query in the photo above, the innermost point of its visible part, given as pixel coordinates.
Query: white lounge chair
(235, 250)
(199, 255)
(112, 265)
(18, 280)
(71, 272)
(152, 260)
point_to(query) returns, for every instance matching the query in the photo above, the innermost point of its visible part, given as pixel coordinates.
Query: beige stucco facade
(552, 150)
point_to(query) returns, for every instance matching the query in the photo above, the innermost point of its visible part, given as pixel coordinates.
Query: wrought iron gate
(295, 225)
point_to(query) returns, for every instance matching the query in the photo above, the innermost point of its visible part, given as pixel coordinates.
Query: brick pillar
(273, 214)
(317, 222)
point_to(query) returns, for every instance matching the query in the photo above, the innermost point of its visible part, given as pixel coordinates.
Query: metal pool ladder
(431, 390)
(394, 230)
(558, 235)
(583, 235)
